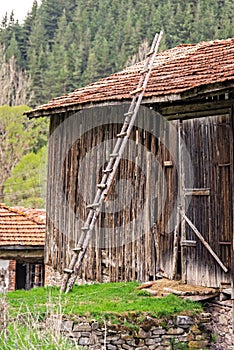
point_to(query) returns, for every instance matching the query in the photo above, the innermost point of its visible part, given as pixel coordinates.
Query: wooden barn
(170, 210)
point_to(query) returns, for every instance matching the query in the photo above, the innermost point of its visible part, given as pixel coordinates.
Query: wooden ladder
(71, 273)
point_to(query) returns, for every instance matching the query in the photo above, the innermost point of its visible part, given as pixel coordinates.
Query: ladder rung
(68, 271)
(85, 228)
(150, 53)
(127, 114)
(77, 249)
(101, 186)
(106, 171)
(134, 92)
(114, 155)
(122, 134)
(144, 70)
(93, 206)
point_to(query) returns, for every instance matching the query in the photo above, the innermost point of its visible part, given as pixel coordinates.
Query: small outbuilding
(22, 240)
(170, 210)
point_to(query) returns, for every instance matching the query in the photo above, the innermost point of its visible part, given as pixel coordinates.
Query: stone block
(117, 342)
(111, 347)
(76, 335)
(175, 331)
(184, 321)
(159, 331)
(126, 347)
(94, 326)
(82, 327)
(150, 341)
(193, 345)
(142, 334)
(195, 329)
(93, 339)
(67, 326)
(126, 336)
(83, 341)
(85, 334)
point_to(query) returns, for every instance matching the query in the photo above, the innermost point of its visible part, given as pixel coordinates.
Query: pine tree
(13, 49)
(26, 33)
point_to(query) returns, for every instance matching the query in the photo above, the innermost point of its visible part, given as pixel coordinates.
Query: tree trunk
(1, 194)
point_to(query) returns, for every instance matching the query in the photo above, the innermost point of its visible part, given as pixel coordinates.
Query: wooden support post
(28, 276)
(232, 189)
(182, 203)
(177, 227)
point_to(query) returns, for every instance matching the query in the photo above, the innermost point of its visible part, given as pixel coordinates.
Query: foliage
(26, 184)
(19, 136)
(98, 301)
(31, 331)
(64, 44)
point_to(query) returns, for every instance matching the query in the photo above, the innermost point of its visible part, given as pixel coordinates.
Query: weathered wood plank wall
(133, 239)
(125, 231)
(210, 144)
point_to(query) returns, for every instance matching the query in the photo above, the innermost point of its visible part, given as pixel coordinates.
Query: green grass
(98, 300)
(120, 304)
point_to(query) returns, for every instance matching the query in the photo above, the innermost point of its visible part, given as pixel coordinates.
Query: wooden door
(206, 258)
(167, 198)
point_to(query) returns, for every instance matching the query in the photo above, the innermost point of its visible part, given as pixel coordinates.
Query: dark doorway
(20, 276)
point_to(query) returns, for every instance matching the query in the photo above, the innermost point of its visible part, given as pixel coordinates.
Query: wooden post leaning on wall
(182, 202)
(232, 189)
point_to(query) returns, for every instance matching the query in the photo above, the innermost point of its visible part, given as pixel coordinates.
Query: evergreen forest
(66, 44)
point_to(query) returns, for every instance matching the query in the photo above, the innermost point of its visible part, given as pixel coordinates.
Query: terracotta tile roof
(38, 215)
(20, 227)
(175, 71)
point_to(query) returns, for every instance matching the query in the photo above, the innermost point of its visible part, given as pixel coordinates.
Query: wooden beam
(207, 89)
(208, 247)
(197, 192)
(168, 163)
(23, 254)
(188, 243)
(195, 106)
(200, 114)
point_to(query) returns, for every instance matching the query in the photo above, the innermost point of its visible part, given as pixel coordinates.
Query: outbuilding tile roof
(175, 71)
(19, 227)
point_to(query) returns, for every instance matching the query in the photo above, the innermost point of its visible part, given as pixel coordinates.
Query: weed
(214, 338)
(30, 330)
(177, 345)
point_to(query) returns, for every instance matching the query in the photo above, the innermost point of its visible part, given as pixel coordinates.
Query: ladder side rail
(111, 168)
(154, 48)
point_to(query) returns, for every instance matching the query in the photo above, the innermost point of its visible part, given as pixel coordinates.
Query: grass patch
(97, 300)
(118, 304)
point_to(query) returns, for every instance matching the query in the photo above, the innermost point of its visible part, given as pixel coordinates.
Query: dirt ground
(163, 287)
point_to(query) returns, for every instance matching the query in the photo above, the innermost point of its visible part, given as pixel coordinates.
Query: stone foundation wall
(181, 332)
(221, 325)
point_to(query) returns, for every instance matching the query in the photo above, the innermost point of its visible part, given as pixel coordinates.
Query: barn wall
(129, 252)
(134, 238)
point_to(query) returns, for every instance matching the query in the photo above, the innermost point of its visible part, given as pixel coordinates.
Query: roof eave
(197, 91)
(22, 247)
